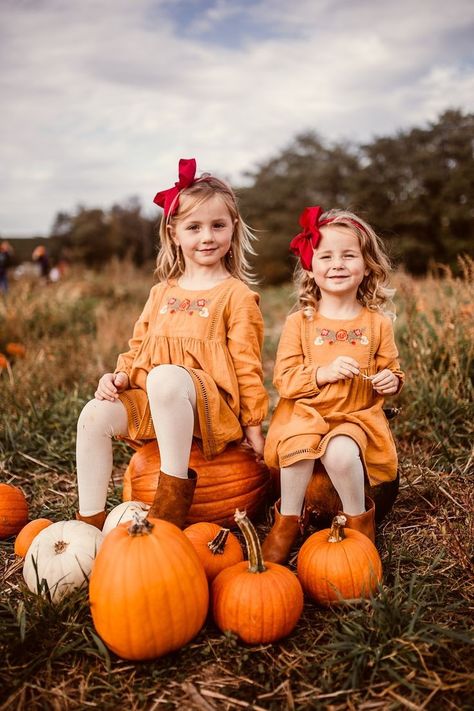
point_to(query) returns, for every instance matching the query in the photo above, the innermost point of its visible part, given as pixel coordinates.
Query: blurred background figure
(40, 256)
(6, 252)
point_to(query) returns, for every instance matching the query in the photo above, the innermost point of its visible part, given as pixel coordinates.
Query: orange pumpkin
(27, 533)
(148, 591)
(13, 510)
(323, 502)
(16, 349)
(3, 362)
(216, 547)
(259, 601)
(234, 479)
(338, 564)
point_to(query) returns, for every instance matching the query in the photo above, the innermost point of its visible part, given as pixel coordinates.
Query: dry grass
(408, 648)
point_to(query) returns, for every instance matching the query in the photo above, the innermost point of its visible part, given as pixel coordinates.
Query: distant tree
(94, 236)
(416, 188)
(307, 172)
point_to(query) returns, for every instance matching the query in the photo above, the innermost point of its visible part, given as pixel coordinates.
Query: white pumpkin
(61, 557)
(123, 513)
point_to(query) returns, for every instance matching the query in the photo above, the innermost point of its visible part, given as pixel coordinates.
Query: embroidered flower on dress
(327, 335)
(173, 305)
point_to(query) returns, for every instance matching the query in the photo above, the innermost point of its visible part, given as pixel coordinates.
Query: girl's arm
(244, 341)
(292, 378)
(125, 360)
(389, 378)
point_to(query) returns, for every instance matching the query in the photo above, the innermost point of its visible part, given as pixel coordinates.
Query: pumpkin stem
(60, 547)
(217, 545)
(140, 525)
(254, 549)
(336, 534)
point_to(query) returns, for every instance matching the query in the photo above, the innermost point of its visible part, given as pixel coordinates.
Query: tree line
(414, 187)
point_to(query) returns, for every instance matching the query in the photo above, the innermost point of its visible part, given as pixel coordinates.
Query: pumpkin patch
(216, 547)
(13, 510)
(61, 557)
(260, 602)
(148, 591)
(28, 533)
(338, 564)
(234, 479)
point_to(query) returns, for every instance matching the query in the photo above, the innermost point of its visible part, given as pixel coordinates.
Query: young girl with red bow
(193, 368)
(336, 362)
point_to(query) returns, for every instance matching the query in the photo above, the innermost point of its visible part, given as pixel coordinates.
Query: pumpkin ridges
(348, 569)
(166, 558)
(13, 510)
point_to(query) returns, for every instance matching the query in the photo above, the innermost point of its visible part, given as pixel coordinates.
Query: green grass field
(410, 647)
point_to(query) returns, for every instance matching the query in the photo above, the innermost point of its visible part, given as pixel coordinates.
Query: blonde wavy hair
(374, 291)
(170, 262)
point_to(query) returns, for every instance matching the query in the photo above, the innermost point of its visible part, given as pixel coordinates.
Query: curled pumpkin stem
(140, 525)
(336, 534)
(217, 545)
(254, 549)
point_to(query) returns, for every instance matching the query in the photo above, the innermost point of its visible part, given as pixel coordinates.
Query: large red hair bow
(305, 242)
(168, 199)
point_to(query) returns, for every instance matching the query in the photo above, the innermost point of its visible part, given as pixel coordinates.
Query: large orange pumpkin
(28, 533)
(338, 564)
(148, 591)
(234, 479)
(323, 501)
(216, 547)
(259, 601)
(13, 510)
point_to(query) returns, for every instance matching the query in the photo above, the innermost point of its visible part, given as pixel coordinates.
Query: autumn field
(409, 647)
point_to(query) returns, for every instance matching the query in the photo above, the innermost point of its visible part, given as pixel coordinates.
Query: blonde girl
(193, 368)
(336, 362)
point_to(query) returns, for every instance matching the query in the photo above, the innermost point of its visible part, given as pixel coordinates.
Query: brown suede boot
(284, 532)
(173, 498)
(364, 522)
(96, 520)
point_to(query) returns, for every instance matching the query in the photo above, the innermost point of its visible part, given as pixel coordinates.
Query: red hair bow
(168, 199)
(305, 242)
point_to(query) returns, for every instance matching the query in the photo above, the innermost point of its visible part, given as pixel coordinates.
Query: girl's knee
(102, 417)
(341, 453)
(169, 382)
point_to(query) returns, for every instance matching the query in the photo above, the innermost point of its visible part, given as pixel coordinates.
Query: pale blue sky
(100, 98)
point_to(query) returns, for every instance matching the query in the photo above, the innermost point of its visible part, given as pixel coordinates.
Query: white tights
(344, 467)
(172, 398)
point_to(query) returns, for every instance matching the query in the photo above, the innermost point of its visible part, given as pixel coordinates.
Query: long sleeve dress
(308, 416)
(217, 335)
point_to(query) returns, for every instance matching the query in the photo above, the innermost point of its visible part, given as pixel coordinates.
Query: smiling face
(338, 265)
(204, 234)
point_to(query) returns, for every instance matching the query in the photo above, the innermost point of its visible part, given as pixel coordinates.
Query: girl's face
(205, 234)
(338, 265)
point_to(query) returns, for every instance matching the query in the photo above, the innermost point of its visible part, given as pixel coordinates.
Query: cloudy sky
(101, 97)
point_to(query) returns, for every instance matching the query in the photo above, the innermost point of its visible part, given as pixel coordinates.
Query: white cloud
(102, 98)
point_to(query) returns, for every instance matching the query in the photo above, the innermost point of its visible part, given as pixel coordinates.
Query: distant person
(194, 366)
(6, 252)
(336, 362)
(40, 255)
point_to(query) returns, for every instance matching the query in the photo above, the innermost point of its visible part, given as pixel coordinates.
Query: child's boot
(173, 498)
(284, 532)
(364, 522)
(96, 520)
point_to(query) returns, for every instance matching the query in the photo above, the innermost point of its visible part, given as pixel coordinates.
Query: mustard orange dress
(308, 416)
(217, 335)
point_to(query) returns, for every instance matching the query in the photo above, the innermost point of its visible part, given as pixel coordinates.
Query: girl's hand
(110, 385)
(255, 440)
(385, 382)
(342, 368)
